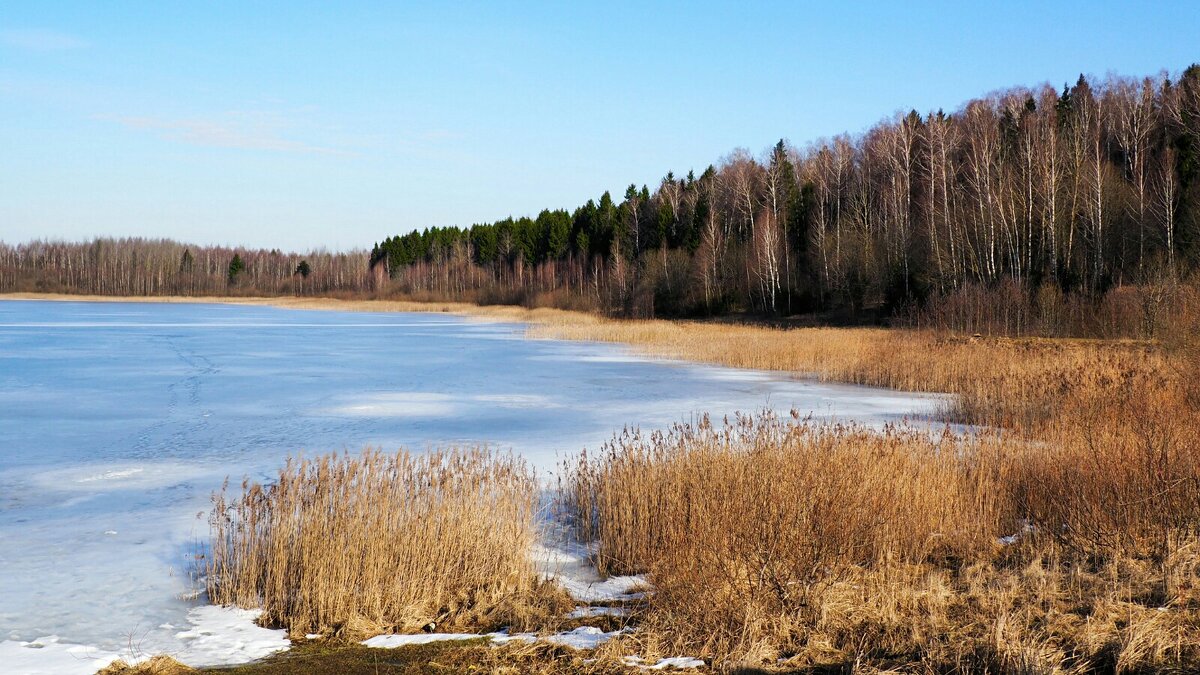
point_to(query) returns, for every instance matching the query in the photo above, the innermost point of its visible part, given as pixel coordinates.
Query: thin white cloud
(39, 40)
(223, 134)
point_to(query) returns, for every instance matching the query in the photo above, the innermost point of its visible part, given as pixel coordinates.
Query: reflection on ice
(427, 404)
(92, 477)
(419, 405)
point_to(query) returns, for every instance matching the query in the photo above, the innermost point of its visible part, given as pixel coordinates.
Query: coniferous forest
(1054, 210)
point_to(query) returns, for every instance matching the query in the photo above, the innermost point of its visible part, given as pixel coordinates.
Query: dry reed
(349, 545)
(772, 539)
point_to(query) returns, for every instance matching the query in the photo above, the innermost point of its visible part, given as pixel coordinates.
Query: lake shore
(991, 377)
(1076, 421)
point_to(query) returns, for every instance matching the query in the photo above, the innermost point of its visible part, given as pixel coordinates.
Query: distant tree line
(165, 267)
(1030, 209)
(1074, 191)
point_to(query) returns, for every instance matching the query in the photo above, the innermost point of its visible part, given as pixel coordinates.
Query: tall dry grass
(771, 539)
(376, 542)
(848, 495)
(996, 381)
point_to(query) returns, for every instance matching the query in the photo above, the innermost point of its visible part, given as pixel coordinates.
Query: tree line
(1025, 200)
(1079, 190)
(133, 266)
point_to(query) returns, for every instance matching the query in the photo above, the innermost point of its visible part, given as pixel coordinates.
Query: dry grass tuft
(357, 545)
(156, 665)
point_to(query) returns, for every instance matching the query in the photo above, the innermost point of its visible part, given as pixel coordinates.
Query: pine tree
(236, 267)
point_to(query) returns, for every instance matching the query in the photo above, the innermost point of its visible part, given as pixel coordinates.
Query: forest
(1032, 192)
(1028, 210)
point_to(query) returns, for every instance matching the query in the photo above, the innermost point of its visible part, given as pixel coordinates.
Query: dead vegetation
(357, 545)
(780, 543)
(155, 665)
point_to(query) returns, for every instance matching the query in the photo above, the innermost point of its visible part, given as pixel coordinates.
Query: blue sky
(299, 125)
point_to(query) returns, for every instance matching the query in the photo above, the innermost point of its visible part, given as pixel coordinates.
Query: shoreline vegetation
(1063, 536)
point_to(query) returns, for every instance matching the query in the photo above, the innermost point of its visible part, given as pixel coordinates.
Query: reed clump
(351, 545)
(774, 541)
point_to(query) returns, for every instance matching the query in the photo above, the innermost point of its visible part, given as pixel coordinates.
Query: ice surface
(48, 656)
(117, 421)
(218, 636)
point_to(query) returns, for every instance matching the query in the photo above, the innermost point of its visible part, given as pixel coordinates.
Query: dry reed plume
(378, 542)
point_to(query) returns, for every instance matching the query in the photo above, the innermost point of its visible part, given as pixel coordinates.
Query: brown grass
(156, 665)
(771, 539)
(355, 545)
(852, 496)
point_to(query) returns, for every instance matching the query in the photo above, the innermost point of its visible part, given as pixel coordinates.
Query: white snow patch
(585, 612)
(99, 478)
(112, 474)
(612, 589)
(616, 358)
(671, 663)
(222, 636)
(584, 637)
(568, 563)
(430, 404)
(503, 637)
(517, 400)
(738, 374)
(393, 641)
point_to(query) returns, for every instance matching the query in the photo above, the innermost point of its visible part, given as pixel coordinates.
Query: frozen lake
(118, 420)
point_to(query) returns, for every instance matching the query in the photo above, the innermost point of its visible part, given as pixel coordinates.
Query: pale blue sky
(298, 125)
